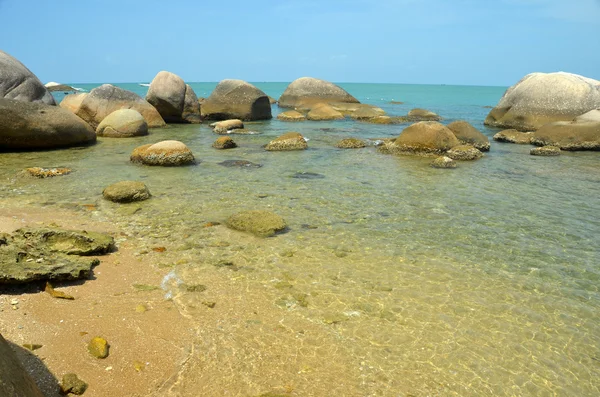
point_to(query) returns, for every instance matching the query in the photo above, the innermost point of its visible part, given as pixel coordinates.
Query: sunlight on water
(394, 278)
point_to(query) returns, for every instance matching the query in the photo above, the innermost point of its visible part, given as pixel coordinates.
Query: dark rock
(287, 141)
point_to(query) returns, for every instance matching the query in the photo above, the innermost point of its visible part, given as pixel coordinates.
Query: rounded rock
(260, 223)
(236, 99)
(20, 84)
(123, 123)
(288, 141)
(469, 135)
(224, 142)
(98, 347)
(291, 115)
(307, 91)
(443, 162)
(324, 112)
(464, 153)
(350, 143)
(424, 137)
(164, 153)
(126, 192)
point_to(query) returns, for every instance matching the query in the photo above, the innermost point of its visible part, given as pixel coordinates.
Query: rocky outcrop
(123, 123)
(469, 135)
(514, 136)
(15, 381)
(307, 91)
(464, 153)
(286, 142)
(175, 101)
(126, 192)
(164, 153)
(31, 125)
(569, 135)
(291, 115)
(18, 83)
(224, 142)
(227, 126)
(236, 99)
(103, 100)
(542, 98)
(259, 223)
(425, 138)
(324, 112)
(351, 143)
(33, 254)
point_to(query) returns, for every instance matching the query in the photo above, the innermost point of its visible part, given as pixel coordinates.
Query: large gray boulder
(35, 125)
(305, 92)
(17, 82)
(14, 379)
(236, 99)
(103, 100)
(167, 94)
(541, 98)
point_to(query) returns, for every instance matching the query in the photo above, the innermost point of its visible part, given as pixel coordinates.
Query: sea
(392, 279)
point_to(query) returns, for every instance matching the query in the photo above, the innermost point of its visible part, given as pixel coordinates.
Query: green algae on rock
(98, 347)
(351, 143)
(257, 222)
(72, 384)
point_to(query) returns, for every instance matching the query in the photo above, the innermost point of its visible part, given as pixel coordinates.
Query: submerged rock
(164, 153)
(288, 141)
(239, 163)
(443, 162)
(323, 112)
(351, 143)
(422, 115)
(514, 136)
(224, 142)
(291, 115)
(308, 175)
(259, 223)
(464, 153)
(32, 254)
(126, 192)
(469, 135)
(40, 172)
(545, 151)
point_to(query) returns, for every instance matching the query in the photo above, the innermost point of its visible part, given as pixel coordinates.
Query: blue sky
(481, 42)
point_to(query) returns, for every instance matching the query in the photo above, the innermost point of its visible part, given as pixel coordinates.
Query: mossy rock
(257, 222)
(464, 153)
(443, 162)
(224, 142)
(126, 192)
(351, 143)
(98, 347)
(286, 142)
(545, 151)
(72, 384)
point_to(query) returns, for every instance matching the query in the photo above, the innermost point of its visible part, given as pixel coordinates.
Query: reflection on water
(394, 278)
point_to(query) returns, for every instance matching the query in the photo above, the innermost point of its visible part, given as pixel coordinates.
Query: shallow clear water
(394, 278)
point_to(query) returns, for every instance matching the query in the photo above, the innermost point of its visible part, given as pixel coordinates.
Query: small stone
(287, 141)
(443, 162)
(72, 384)
(32, 346)
(209, 304)
(57, 294)
(98, 347)
(40, 172)
(224, 142)
(139, 366)
(141, 308)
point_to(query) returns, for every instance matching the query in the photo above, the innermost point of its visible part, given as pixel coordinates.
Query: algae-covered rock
(227, 126)
(545, 151)
(424, 138)
(224, 142)
(287, 141)
(42, 173)
(469, 135)
(257, 222)
(464, 153)
(422, 115)
(443, 162)
(322, 112)
(291, 115)
(514, 136)
(98, 347)
(33, 254)
(126, 192)
(72, 384)
(351, 143)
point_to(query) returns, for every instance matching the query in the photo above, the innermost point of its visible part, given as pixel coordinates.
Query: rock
(569, 135)
(123, 123)
(18, 83)
(126, 192)
(236, 99)
(103, 100)
(307, 175)
(239, 164)
(226, 126)
(32, 125)
(72, 384)
(443, 162)
(98, 347)
(191, 107)
(542, 98)
(381, 120)
(54, 87)
(464, 153)
(164, 153)
(15, 381)
(56, 294)
(291, 115)
(307, 91)
(469, 135)
(272, 100)
(40, 172)
(357, 111)
(593, 116)
(422, 115)
(224, 142)
(351, 143)
(513, 136)
(324, 112)
(424, 137)
(260, 223)
(33, 254)
(72, 102)
(545, 151)
(288, 141)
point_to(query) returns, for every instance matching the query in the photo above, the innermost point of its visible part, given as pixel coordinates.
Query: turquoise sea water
(394, 279)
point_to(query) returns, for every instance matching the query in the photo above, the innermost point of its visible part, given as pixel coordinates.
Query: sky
(470, 42)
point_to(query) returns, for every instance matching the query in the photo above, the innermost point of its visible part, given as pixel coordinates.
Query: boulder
(103, 100)
(569, 135)
(443, 162)
(72, 102)
(542, 98)
(291, 115)
(33, 254)
(350, 143)
(545, 151)
(364, 112)
(191, 107)
(226, 126)
(323, 112)
(513, 136)
(167, 94)
(15, 381)
(422, 115)
(260, 223)
(383, 120)
(126, 192)
(53, 87)
(288, 141)
(164, 153)
(469, 135)
(123, 123)
(593, 116)
(464, 153)
(18, 83)
(236, 99)
(35, 125)
(307, 91)
(224, 142)
(424, 137)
